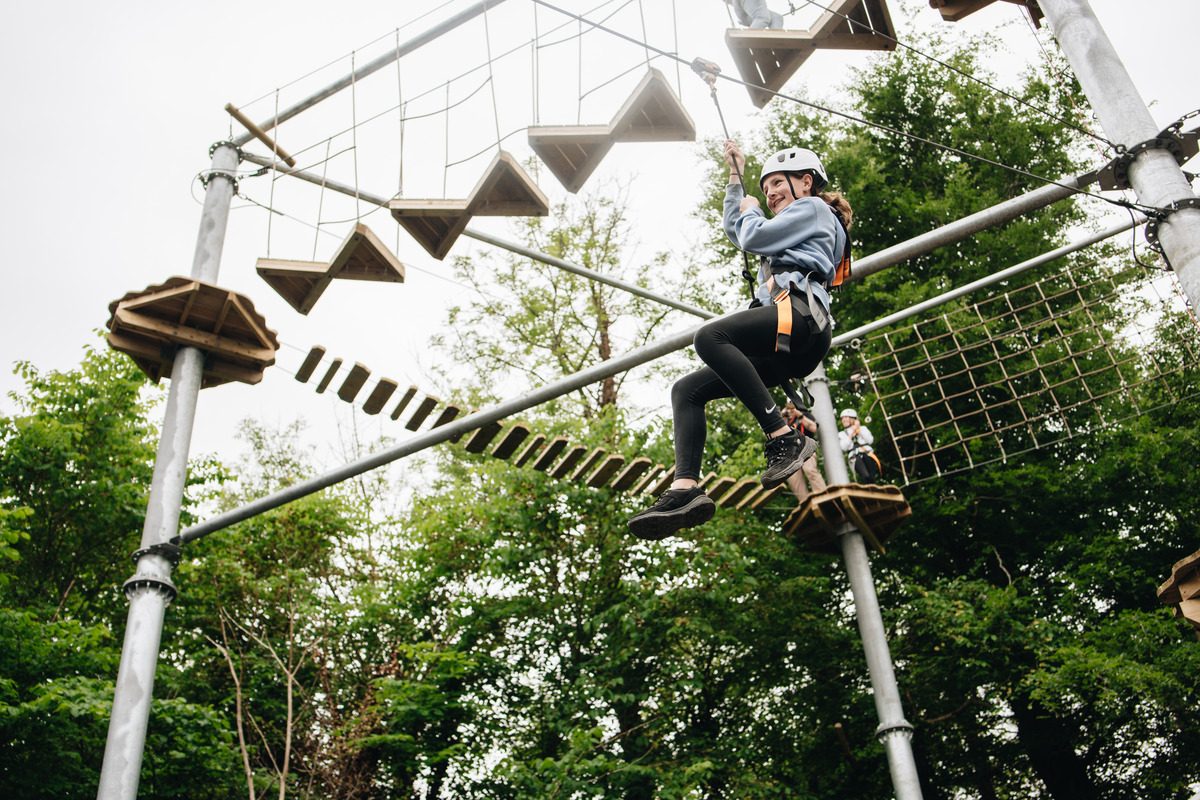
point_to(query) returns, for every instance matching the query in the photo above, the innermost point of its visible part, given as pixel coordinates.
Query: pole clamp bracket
(887, 728)
(151, 583)
(1115, 174)
(171, 552)
(1152, 224)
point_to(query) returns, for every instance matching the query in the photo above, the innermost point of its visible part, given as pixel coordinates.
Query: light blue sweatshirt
(806, 235)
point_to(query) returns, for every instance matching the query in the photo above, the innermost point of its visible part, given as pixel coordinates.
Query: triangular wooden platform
(571, 152)
(1182, 590)
(768, 58)
(505, 190)
(653, 113)
(875, 510)
(149, 325)
(360, 257)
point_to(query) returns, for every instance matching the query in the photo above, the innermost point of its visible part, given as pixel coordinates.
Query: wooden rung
(310, 364)
(706, 480)
(363, 257)
(647, 481)
(605, 471)
(768, 58)
(767, 496)
(653, 113)
(530, 450)
(719, 487)
(448, 413)
(506, 190)
(333, 368)
(635, 470)
(354, 382)
(738, 493)
(511, 441)
(379, 395)
(550, 453)
(435, 224)
(404, 401)
(589, 464)
(483, 437)
(664, 482)
(422, 411)
(571, 152)
(855, 25)
(569, 461)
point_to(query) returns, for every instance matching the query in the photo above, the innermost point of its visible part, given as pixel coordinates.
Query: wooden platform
(149, 325)
(360, 257)
(653, 113)
(875, 510)
(505, 190)
(1182, 590)
(955, 10)
(768, 58)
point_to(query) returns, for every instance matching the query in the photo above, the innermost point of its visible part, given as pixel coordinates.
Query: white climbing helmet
(850, 412)
(795, 159)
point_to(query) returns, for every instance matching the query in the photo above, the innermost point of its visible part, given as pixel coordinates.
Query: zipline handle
(708, 70)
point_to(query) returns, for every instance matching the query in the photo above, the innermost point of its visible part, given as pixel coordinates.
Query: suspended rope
(354, 134)
(487, 38)
(274, 177)
(1151, 211)
(321, 199)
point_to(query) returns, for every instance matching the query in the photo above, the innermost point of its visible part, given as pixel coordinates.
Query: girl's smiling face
(778, 189)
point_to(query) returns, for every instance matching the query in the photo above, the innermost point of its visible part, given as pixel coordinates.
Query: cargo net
(1058, 358)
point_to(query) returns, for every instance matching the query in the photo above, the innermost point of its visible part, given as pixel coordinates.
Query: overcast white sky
(111, 108)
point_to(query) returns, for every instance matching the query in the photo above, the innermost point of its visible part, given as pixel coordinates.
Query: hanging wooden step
(571, 152)
(435, 224)
(875, 510)
(1182, 590)
(506, 190)
(360, 257)
(955, 10)
(769, 58)
(150, 324)
(653, 113)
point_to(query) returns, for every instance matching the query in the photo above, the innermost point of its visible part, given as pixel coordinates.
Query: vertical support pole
(150, 590)
(1153, 173)
(894, 731)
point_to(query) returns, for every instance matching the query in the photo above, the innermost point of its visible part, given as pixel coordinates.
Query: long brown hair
(839, 202)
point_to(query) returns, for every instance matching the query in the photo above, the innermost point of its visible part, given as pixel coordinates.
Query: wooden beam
(635, 470)
(530, 450)
(605, 471)
(422, 411)
(333, 368)
(588, 464)
(483, 437)
(404, 401)
(354, 382)
(511, 441)
(738, 492)
(569, 461)
(551, 452)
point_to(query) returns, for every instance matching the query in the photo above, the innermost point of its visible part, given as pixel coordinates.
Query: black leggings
(739, 351)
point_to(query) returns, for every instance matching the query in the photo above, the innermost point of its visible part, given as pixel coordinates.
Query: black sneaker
(674, 510)
(786, 454)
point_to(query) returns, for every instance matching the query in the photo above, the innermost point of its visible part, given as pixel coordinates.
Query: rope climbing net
(1058, 358)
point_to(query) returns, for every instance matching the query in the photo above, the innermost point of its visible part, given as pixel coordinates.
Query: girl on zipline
(783, 335)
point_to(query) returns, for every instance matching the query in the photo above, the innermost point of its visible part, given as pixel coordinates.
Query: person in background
(802, 420)
(755, 14)
(856, 442)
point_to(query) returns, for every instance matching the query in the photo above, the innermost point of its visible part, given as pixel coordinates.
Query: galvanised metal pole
(1153, 173)
(150, 590)
(894, 731)
(372, 66)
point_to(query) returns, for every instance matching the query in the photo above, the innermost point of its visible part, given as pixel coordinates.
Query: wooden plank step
(588, 464)
(629, 476)
(354, 382)
(717, 489)
(571, 152)
(300, 283)
(653, 113)
(647, 481)
(605, 471)
(506, 190)
(448, 413)
(530, 450)
(740, 490)
(404, 401)
(380, 395)
(511, 441)
(569, 460)
(422, 411)
(550, 453)
(333, 368)
(435, 224)
(311, 361)
(483, 437)
(363, 257)
(664, 482)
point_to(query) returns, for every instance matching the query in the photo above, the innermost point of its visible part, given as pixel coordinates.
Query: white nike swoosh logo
(771, 408)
